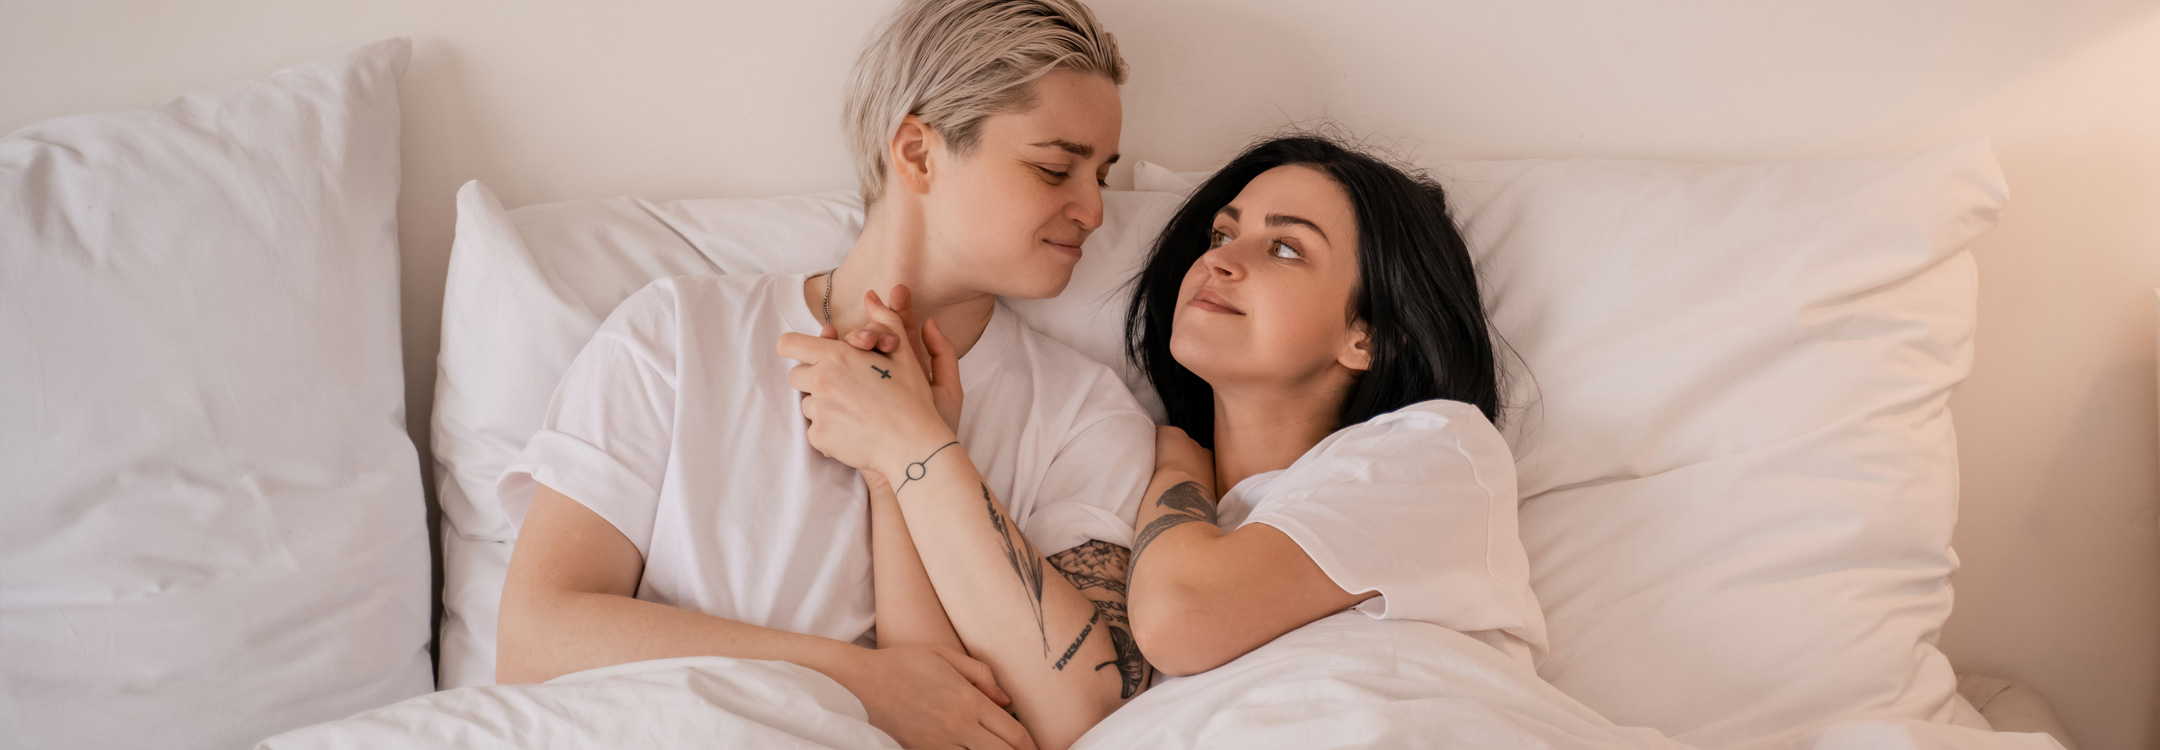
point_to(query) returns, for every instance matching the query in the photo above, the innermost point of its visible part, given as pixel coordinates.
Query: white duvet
(1344, 681)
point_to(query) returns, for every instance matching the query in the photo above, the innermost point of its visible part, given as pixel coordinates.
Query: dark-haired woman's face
(1269, 304)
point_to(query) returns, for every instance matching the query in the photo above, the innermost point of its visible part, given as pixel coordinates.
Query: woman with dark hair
(1312, 322)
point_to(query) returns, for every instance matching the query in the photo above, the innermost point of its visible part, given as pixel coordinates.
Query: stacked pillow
(213, 529)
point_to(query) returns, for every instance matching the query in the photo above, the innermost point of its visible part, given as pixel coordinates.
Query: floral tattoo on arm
(1187, 502)
(1098, 569)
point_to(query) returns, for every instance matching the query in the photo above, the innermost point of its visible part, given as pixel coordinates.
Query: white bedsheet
(1344, 681)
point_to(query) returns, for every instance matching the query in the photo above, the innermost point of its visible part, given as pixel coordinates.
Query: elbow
(516, 655)
(1177, 634)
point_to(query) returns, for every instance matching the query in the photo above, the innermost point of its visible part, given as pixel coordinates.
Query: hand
(931, 348)
(1176, 451)
(868, 409)
(933, 697)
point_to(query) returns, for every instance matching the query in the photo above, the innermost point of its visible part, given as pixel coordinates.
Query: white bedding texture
(214, 529)
(1734, 448)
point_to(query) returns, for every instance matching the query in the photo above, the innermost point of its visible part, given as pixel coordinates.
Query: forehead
(1070, 106)
(1303, 192)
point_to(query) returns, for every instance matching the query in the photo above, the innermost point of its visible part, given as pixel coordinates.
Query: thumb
(977, 673)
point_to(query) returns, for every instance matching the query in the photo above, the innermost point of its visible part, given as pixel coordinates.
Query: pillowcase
(528, 287)
(1738, 472)
(214, 529)
(1733, 442)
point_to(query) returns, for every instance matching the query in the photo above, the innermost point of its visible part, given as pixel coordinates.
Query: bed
(1736, 454)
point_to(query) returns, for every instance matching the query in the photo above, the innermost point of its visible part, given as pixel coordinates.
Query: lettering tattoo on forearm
(1075, 647)
(1187, 502)
(1102, 566)
(1026, 563)
(921, 469)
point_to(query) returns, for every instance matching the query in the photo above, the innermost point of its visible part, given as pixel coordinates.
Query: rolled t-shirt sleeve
(1092, 488)
(1421, 509)
(609, 427)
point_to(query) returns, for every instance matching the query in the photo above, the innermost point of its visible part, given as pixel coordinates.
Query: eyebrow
(1081, 150)
(1280, 220)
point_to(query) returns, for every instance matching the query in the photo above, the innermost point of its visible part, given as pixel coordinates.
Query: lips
(1207, 299)
(1072, 249)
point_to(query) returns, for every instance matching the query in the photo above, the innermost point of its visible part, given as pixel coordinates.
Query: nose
(1087, 208)
(1221, 262)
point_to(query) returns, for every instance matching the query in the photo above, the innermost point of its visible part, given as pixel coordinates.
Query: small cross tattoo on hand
(882, 373)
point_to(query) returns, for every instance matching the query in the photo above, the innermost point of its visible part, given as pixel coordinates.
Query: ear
(1356, 353)
(909, 156)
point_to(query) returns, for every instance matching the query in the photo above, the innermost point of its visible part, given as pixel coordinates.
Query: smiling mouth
(1072, 250)
(1212, 302)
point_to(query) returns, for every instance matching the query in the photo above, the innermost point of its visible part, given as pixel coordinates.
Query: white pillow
(528, 287)
(1740, 479)
(214, 528)
(1738, 473)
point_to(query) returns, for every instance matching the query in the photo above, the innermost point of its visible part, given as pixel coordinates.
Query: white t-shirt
(1419, 505)
(677, 425)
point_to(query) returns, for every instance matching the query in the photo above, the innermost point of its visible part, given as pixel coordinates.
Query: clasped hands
(878, 397)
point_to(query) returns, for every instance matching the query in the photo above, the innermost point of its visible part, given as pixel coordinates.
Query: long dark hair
(1417, 293)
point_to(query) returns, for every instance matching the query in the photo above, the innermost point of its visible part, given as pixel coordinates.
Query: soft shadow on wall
(1690, 79)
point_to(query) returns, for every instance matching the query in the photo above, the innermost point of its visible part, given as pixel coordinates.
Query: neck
(1259, 432)
(892, 250)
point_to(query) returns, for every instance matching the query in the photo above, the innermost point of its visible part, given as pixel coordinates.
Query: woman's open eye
(1283, 250)
(1217, 239)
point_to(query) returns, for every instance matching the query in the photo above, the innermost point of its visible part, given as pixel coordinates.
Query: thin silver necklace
(828, 294)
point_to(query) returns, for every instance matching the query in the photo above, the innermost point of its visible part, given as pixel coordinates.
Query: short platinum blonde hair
(954, 63)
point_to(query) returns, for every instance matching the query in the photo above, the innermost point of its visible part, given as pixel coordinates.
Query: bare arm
(567, 607)
(1202, 597)
(908, 610)
(1049, 644)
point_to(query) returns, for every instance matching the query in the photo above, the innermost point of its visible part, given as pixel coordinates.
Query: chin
(1037, 283)
(1194, 353)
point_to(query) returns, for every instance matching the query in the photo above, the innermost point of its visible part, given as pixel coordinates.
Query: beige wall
(550, 99)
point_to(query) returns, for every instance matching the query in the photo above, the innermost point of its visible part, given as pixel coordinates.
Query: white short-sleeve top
(1419, 505)
(676, 423)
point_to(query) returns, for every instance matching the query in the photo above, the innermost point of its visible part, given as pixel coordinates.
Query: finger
(867, 339)
(978, 673)
(884, 316)
(903, 302)
(978, 738)
(808, 350)
(827, 331)
(802, 378)
(1008, 730)
(944, 360)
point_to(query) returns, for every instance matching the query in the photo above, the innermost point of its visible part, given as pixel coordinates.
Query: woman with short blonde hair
(674, 505)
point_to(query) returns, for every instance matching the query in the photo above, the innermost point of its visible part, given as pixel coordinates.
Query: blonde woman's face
(1014, 211)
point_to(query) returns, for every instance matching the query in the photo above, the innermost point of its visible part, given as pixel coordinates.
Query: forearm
(547, 634)
(1045, 641)
(908, 610)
